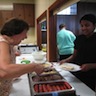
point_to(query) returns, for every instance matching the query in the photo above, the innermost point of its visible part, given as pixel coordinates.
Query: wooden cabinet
(0, 19)
(5, 15)
(30, 14)
(25, 12)
(18, 11)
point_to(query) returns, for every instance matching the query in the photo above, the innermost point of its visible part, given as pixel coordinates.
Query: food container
(48, 75)
(52, 88)
(25, 61)
(39, 55)
(50, 84)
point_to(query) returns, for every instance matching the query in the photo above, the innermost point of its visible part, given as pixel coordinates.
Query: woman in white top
(12, 33)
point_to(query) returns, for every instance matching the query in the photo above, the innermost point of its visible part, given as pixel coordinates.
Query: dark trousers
(64, 56)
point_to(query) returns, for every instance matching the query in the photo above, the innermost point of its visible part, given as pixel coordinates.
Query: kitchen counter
(81, 88)
(21, 86)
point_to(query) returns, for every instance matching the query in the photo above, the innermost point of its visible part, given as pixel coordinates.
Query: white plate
(47, 64)
(72, 67)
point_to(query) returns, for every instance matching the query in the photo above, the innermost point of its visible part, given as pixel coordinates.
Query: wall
(30, 37)
(41, 6)
(72, 21)
(87, 9)
(9, 2)
(8, 5)
(69, 20)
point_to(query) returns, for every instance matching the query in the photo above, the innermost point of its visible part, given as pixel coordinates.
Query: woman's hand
(38, 68)
(86, 67)
(69, 59)
(17, 53)
(62, 61)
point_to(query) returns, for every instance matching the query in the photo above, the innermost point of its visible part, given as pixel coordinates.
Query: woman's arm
(69, 59)
(9, 70)
(16, 51)
(15, 70)
(88, 66)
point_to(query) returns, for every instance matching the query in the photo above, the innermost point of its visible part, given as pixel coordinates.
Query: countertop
(21, 85)
(81, 88)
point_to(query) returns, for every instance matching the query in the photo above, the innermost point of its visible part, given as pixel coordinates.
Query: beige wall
(30, 37)
(8, 5)
(40, 7)
(9, 2)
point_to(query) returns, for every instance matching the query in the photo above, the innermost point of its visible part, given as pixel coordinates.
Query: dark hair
(13, 27)
(89, 17)
(61, 26)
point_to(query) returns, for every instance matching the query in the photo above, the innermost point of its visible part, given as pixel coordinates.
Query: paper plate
(70, 67)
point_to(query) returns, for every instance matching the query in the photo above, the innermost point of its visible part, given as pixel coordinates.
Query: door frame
(39, 32)
(51, 36)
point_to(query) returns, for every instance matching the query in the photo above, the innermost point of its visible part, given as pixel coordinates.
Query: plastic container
(39, 55)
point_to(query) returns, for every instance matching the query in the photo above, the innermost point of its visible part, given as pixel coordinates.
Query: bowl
(38, 56)
(25, 61)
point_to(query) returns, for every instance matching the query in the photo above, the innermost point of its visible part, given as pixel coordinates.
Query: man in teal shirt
(65, 42)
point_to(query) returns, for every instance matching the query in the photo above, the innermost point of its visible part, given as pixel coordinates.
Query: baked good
(47, 64)
(67, 67)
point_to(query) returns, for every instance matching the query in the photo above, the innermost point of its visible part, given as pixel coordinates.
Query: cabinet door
(6, 15)
(19, 11)
(29, 14)
(0, 18)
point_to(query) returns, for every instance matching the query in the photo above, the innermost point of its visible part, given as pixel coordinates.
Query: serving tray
(50, 85)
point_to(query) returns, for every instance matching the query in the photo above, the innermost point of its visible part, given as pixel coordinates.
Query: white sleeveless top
(5, 85)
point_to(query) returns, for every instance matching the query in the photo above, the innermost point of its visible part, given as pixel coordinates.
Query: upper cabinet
(5, 15)
(25, 12)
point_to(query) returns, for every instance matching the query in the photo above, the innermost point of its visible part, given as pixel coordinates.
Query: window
(71, 10)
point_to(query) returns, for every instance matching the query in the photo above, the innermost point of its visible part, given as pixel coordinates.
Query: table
(21, 86)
